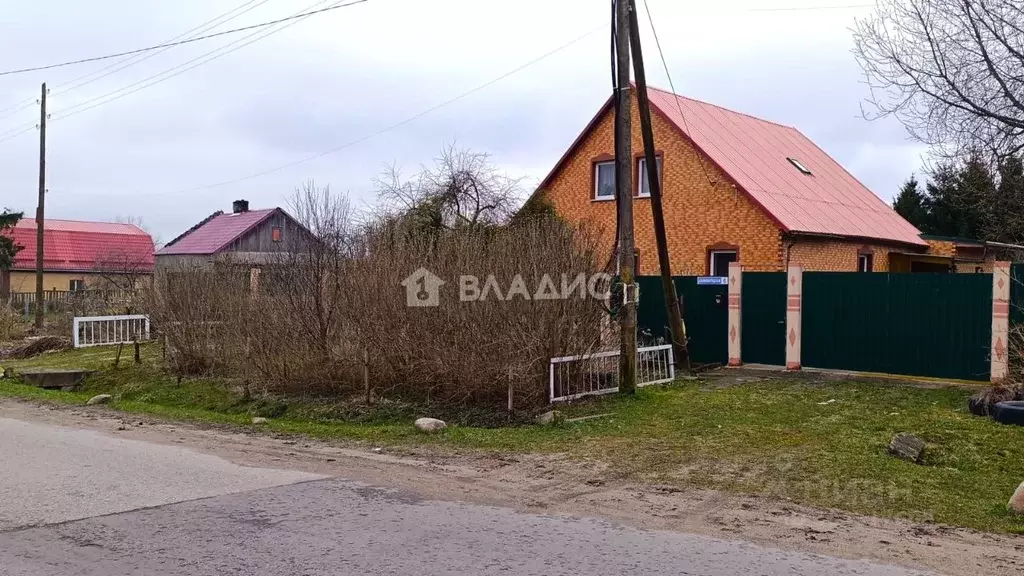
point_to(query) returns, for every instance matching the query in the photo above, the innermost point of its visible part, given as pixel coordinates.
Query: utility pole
(680, 353)
(40, 305)
(624, 195)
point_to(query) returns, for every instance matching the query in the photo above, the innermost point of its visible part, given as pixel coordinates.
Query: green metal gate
(917, 324)
(705, 312)
(763, 319)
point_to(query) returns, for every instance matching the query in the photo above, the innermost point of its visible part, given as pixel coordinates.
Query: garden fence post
(735, 317)
(1000, 367)
(794, 303)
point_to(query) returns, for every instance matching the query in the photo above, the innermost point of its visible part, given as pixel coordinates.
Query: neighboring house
(735, 188)
(961, 255)
(79, 255)
(244, 237)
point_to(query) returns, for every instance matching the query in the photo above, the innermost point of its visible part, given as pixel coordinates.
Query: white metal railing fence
(573, 377)
(105, 330)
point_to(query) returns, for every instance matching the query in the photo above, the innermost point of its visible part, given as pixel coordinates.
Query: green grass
(775, 438)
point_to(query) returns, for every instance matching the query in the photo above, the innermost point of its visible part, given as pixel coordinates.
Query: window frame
(865, 256)
(596, 175)
(79, 282)
(714, 251)
(641, 174)
(276, 233)
(800, 166)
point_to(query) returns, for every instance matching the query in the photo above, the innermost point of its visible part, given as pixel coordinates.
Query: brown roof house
(735, 189)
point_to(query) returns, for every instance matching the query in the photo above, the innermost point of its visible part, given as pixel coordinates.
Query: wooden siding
(260, 239)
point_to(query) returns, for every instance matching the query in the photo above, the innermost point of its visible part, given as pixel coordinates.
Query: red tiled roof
(754, 154)
(216, 233)
(70, 245)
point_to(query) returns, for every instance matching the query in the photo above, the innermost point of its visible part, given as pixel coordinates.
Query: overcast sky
(340, 77)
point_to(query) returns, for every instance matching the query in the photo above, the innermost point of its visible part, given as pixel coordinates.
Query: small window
(866, 263)
(604, 180)
(275, 233)
(76, 285)
(979, 270)
(720, 260)
(799, 166)
(643, 185)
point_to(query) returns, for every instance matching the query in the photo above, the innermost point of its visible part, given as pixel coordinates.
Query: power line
(178, 43)
(675, 95)
(208, 25)
(809, 8)
(388, 128)
(184, 67)
(212, 23)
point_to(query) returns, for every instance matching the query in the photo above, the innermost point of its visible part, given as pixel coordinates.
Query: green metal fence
(917, 324)
(705, 311)
(1016, 294)
(763, 318)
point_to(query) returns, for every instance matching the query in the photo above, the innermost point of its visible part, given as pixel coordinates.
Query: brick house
(735, 188)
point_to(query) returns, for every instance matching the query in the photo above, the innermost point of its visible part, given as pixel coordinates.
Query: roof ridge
(729, 110)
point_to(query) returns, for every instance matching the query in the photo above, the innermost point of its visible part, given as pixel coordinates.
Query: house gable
(701, 211)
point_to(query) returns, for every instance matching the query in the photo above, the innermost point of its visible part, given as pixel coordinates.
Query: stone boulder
(99, 399)
(908, 447)
(550, 417)
(1016, 504)
(430, 425)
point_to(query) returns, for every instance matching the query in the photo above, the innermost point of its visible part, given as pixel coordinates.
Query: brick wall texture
(703, 209)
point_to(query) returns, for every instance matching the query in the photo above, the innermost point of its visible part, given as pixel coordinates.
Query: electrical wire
(212, 23)
(386, 129)
(185, 67)
(133, 60)
(675, 95)
(178, 43)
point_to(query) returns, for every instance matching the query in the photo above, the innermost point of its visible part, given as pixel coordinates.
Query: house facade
(735, 188)
(79, 255)
(244, 237)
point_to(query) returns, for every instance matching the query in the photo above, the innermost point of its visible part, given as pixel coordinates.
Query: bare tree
(122, 268)
(951, 70)
(461, 190)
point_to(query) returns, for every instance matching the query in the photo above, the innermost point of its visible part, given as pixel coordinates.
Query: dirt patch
(556, 484)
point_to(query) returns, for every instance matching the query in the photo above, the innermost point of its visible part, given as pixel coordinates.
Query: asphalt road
(84, 503)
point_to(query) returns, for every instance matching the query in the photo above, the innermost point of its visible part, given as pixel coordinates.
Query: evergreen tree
(974, 197)
(940, 202)
(910, 204)
(1006, 222)
(7, 247)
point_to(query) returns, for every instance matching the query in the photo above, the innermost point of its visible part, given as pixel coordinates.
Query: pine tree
(7, 246)
(974, 198)
(940, 203)
(910, 204)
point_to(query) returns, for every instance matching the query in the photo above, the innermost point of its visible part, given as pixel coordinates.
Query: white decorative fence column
(1000, 368)
(735, 316)
(794, 302)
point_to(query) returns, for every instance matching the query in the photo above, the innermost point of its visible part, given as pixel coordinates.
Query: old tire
(977, 406)
(1009, 413)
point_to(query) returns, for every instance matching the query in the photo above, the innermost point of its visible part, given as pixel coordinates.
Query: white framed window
(720, 260)
(604, 180)
(865, 262)
(76, 285)
(643, 185)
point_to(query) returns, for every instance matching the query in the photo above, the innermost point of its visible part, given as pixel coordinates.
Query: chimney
(239, 206)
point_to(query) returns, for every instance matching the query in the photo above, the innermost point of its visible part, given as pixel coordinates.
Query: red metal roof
(70, 245)
(216, 233)
(754, 153)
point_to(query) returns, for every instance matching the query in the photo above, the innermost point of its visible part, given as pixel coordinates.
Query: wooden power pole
(675, 317)
(624, 194)
(40, 305)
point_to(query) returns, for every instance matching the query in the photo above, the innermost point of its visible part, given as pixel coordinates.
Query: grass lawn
(780, 438)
